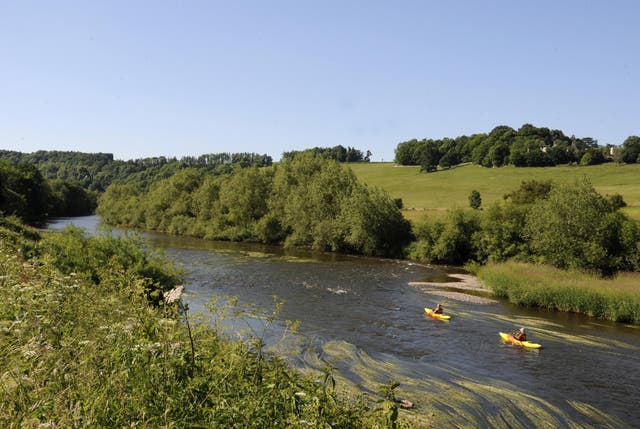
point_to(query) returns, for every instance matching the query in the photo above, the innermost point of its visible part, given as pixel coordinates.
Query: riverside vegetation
(566, 290)
(306, 201)
(560, 247)
(89, 337)
(311, 200)
(93, 334)
(315, 202)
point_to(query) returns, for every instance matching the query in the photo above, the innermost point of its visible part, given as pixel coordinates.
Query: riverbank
(547, 287)
(96, 344)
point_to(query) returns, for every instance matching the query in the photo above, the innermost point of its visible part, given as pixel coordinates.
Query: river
(360, 317)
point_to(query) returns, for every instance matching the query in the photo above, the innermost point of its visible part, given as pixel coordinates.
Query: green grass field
(437, 192)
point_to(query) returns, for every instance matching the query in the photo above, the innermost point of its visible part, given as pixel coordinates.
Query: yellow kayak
(527, 344)
(430, 313)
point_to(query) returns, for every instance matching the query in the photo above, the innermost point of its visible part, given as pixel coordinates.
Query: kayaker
(438, 309)
(520, 335)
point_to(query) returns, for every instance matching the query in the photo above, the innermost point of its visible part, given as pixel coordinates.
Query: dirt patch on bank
(467, 289)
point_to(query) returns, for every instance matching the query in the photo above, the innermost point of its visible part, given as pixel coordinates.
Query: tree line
(318, 203)
(96, 171)
(304, 201)
(529, 146)
(338, 153)
(25, 193)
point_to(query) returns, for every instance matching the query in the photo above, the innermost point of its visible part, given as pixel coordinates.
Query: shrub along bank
(84, 346)
(566, 226)
(547, 287)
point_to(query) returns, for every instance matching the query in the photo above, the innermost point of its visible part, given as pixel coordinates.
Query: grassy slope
(450, 188)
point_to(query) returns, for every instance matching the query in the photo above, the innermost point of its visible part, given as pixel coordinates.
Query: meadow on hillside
(439, 191)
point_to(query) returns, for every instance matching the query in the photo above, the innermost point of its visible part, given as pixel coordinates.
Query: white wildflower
(173, 295)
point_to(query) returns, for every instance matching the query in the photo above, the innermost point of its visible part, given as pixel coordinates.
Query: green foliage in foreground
(95, 258)
(80, 354)
(543, 286)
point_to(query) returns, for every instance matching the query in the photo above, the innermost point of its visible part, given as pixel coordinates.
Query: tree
(616, 201)
(575, 227)
(501, 234)
(631, 149)
(475, 200)
(529, 146)
(371, 223)
(558, 153)
(68, 199)
(24, 192)
(243, 197)
(530, 191)
(592, 157)
(404, 153)
(455, 244)
(429, 157)
(498, 155)
(586, 159)
(449, 159)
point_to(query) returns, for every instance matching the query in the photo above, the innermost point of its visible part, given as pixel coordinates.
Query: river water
(360, 317)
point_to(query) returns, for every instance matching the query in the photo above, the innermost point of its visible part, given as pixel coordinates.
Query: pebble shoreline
(467, 283)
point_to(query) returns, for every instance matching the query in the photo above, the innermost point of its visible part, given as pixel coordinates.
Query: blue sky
(175, 78)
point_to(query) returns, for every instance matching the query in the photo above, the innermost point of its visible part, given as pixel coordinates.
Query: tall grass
(616, 299)
(78, 353)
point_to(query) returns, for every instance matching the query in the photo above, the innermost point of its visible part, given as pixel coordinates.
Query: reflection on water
(360, 317)
(90, 223)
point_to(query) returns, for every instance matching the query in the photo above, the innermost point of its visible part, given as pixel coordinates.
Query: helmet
(522, 330)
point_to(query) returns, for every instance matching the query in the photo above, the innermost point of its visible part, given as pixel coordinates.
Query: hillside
(445, 189)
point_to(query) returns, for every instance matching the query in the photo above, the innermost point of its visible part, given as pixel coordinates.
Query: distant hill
(96, 171)
(528, 146)
(436, 192)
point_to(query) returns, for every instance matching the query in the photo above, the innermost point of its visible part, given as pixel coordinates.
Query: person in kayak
(520, 335)
(438, 309)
